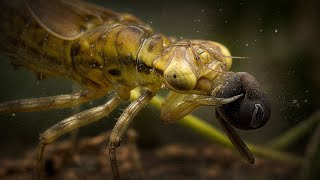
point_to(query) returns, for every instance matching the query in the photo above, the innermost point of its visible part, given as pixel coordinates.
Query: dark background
(279, 37)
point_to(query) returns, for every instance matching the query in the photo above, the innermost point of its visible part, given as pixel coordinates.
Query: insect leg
(122, 125)
(81, 119)
(47, 103)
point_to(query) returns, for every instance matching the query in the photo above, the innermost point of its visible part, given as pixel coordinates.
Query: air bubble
(13, 114)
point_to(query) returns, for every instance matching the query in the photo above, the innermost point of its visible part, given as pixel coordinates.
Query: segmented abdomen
(118, 54)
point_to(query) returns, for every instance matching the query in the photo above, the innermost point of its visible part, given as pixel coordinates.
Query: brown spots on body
(151, 47)
(152, 44)
(142, 67)
(75, 49)
(114, 72)
(134, 30)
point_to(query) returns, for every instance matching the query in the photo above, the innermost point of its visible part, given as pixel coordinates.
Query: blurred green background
(279, 37)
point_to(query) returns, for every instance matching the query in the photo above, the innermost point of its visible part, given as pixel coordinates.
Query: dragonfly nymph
(105, 51)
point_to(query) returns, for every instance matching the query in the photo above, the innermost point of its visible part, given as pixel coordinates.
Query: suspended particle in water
(295, 103)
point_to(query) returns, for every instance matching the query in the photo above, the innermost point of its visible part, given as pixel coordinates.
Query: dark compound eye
(252, 110)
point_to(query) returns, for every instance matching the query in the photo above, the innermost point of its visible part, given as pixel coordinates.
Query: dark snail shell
(252, 110)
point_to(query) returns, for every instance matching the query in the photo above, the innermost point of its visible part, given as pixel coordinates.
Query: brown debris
(173, 161)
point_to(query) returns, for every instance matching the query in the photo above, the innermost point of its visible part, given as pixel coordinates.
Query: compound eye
(180, 76)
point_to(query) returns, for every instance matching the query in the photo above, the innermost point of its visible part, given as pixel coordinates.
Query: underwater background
(280, 39)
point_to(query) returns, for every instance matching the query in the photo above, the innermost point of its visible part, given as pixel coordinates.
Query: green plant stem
(292, 135)
(210, 132)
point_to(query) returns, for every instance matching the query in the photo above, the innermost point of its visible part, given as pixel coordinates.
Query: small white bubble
(247, 45)
(220, 9)
(181, 37)
(261, 30)
(226, 21)
(202, 10)
(276, 31)
(197, 31)
(13, 114)
(150, 22)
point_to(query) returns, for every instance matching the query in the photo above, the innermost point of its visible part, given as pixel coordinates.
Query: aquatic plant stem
(210, 132)
(292, 135)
